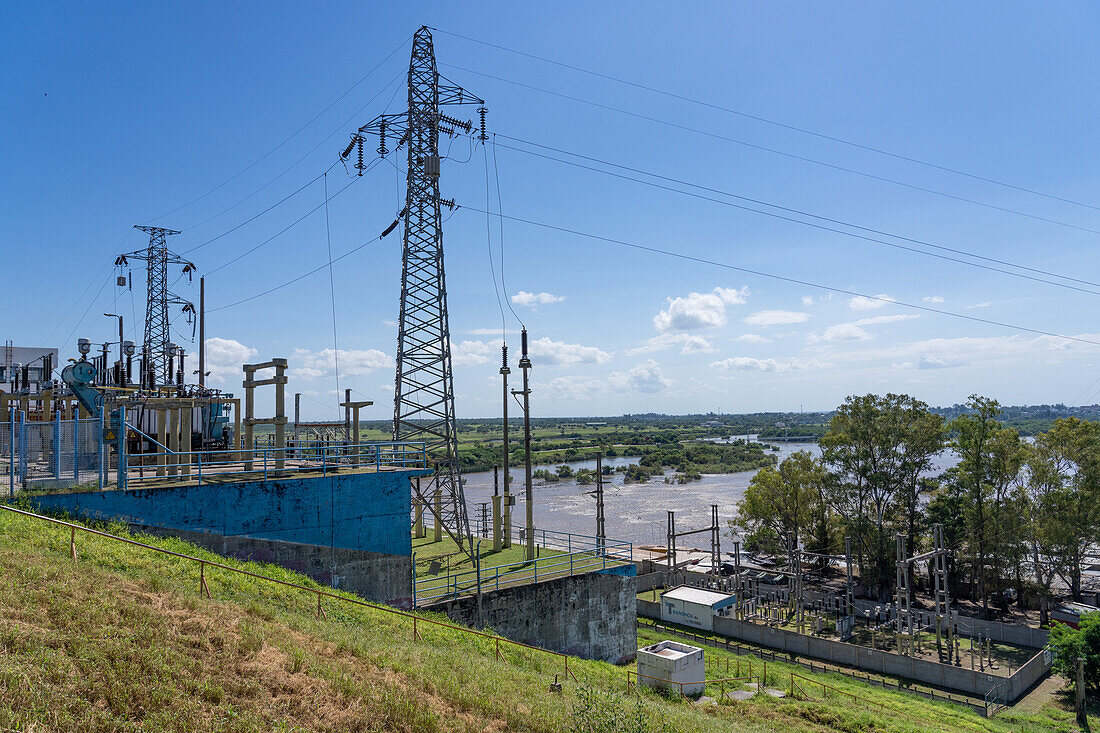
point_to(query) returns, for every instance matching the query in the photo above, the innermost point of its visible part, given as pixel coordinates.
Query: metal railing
(318, 593)
(220, 466)
(484, 580)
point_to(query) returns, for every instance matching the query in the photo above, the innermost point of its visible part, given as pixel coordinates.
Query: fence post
(72, 542)
(55, 459)
(121, 448)
(23, 447)
(11, 455)
(102, 454)
(76, 448)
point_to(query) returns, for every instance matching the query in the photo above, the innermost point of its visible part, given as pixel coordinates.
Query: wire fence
(55, 454)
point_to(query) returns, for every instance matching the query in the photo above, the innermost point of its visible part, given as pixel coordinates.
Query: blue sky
(114, 115)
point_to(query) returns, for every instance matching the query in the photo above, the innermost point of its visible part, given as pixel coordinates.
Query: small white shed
(666, 663)
(695, 607)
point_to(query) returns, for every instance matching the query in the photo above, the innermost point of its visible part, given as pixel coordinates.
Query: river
(635, 512)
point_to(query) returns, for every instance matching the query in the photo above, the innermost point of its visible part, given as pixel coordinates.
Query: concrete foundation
(591, 616)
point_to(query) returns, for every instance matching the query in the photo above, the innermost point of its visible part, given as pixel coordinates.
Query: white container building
(695, 607)
(666, 663)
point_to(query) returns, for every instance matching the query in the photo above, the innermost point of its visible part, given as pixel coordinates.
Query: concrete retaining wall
(372, 575)
(591, 616)
(358, 511)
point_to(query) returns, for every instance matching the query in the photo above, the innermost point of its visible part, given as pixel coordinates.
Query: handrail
(318, 592)
(838, 691)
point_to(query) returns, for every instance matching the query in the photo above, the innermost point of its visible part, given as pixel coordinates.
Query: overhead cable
(784, 278)
(727, 138)
(776, 123)
(821, 226)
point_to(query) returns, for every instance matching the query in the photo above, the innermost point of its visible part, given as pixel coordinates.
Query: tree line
(1019, 516)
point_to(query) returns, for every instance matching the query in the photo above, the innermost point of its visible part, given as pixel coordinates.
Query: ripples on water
(634, 512)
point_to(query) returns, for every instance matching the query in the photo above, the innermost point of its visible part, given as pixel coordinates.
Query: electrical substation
(115, 430)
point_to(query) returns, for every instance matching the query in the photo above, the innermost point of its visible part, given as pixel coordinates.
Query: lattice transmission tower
(424, 408)
(158, 327)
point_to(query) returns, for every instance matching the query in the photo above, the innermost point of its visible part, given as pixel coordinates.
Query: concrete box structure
(695, 607)
(666, 663)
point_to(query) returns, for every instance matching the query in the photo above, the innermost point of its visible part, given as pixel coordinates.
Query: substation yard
(1006, 658)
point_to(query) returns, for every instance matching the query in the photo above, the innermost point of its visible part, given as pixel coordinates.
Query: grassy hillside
(120, 639)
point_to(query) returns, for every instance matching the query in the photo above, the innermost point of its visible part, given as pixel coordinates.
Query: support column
(437, 500)
(162, 438)
(173, 439)
(418, 523)
(185, 440)
(280, 413)
(496, 522)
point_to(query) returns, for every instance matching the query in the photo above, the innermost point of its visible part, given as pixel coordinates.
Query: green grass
(120, 640)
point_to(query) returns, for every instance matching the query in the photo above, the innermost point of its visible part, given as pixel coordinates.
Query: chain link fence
(59, 454)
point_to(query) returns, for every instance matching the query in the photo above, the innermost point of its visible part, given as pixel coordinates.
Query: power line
(814, 161)
(500, 208)
(818, 217)
(792, 280)
(332, 294)
(289, 137)
(342, 126)
(292, 224)
(489, 243)
(784, 125)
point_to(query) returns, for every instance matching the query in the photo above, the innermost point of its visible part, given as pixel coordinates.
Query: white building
(695, 607)
(30, 357)
(670, 665)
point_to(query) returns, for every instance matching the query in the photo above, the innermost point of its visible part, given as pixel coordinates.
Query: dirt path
(1042, 694)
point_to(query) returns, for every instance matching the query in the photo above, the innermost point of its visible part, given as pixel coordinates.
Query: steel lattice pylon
(157, 326)
(424, 408)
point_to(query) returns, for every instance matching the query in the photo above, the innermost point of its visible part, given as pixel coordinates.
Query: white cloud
(932, 299)
(863, 303)
(944, 353)
(556, 353)
(753, 338)
(645, 377)
(876, 320)
(983, 304)
(845, 332)
(689, 343)
(776, 318)
(699, 310)
(306, 364)
(807, 300)
(750, 364)
(535, 299)
(578, 389)
(470, 352)
(224, 358)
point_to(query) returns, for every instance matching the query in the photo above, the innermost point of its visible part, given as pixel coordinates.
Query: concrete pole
(347, 415)
(280, 412)
(601, 533)
(418, 523)
(507, 518)
(202, 332)
(1080, 701)
(438, 501)
(525, 365)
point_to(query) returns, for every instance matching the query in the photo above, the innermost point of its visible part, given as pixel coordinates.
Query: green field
(120, 639)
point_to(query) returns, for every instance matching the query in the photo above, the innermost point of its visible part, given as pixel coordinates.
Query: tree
(1064, 493)
(990, 459)
(781, 500)
(1069, 644)
(878, 447)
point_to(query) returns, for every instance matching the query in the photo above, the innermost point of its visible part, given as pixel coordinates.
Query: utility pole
(601, 532)
(507, 521)
(424, 407)
(202, 340)
(157, 258)
(525, 365)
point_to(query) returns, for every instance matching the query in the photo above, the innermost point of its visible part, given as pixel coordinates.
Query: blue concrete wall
(360, 511)
(628, 571)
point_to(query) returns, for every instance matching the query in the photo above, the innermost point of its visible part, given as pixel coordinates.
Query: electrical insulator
(359, 165)
(121, 280)
(382, 138)
(482, 111)
(347, 150)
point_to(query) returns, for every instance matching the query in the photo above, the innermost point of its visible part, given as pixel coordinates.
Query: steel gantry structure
(424, 407)
(157, 356)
